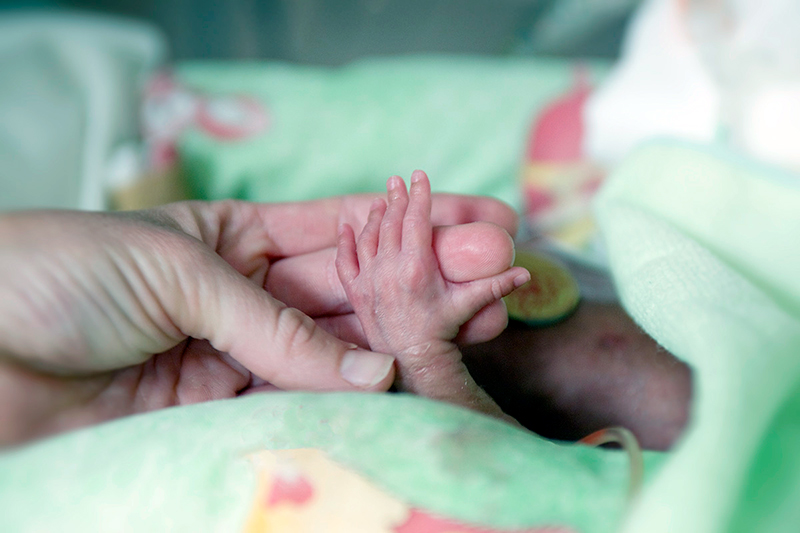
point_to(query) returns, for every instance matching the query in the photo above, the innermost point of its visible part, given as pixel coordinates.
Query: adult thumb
(277, 343)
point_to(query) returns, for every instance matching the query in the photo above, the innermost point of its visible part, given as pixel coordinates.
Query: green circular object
(551, 294)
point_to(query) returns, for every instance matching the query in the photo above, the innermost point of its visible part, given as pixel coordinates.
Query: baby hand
(407, 308)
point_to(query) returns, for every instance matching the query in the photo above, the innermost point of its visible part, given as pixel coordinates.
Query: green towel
(187, 468)
(705, 250)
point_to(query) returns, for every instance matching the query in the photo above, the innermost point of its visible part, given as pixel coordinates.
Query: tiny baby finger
(392, 225)
(368, 241)
(417, 228)
(346, 258)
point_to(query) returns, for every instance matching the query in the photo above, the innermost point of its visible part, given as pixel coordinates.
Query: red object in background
(538, 200)
(557, 132)
(558, 180)
(170, 109)
(232, 117)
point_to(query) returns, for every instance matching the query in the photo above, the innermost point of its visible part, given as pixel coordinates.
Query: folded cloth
(704, 250)
(277, 462)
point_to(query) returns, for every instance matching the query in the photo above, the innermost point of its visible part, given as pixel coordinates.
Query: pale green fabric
(464, 120)
(186, 469)
(705, 250)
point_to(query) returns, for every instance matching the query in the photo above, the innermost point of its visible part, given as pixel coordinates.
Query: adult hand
(103, 315)
(471, 240)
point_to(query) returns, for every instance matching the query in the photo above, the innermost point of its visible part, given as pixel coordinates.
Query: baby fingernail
(365, 369)
(521, 280)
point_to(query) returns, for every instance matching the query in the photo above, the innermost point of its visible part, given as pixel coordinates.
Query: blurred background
(335, 32)
(126, 104)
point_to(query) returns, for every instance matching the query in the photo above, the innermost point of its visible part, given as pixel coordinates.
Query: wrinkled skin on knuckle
(295, 332)
(414, 275)
(497, 290)
(500, 288)
(360, 294)
(413, 223)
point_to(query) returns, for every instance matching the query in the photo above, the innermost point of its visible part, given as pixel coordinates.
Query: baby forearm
(423, 368)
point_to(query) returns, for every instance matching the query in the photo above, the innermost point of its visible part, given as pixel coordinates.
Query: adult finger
(347, 328)
(294, 228)
(208, 299)
(249, 235)
(465, 252)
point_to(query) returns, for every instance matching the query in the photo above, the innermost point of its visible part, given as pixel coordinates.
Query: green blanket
(191, 468)
(465, 121)
(705, 249)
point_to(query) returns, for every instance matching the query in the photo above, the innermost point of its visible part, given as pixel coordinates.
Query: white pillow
(69, 94)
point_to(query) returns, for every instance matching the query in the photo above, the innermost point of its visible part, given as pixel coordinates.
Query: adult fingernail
(521, 280)
(365, 369)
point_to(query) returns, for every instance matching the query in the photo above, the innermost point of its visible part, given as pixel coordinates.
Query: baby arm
(406, 307)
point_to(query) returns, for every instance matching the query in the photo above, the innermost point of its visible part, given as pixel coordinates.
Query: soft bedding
(703, 249)
(463, 120)
(198, 468)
